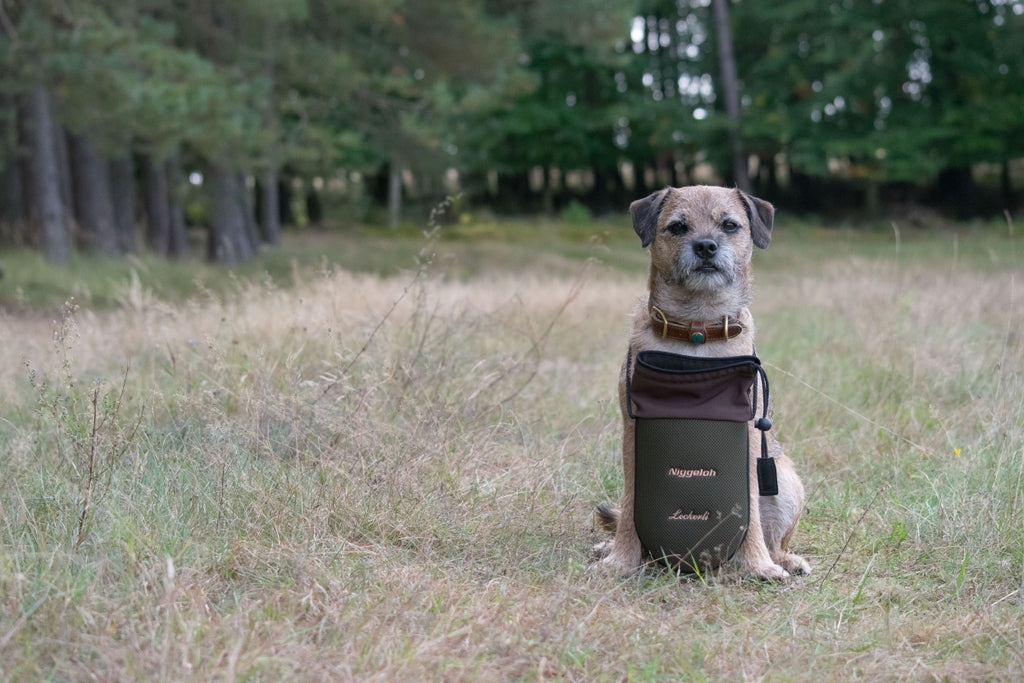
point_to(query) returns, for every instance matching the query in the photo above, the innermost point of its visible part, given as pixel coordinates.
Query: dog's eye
(677, 227)
(730, 226)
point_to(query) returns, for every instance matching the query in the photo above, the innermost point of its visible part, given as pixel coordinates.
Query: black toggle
(767, 478)
(767, 481)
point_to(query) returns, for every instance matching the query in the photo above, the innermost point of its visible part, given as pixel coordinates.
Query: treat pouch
(692, 481)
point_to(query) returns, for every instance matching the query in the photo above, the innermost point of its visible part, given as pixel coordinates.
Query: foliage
(519, 94)
(895, 90)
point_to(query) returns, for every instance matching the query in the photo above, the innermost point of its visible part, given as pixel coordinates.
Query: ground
(344, 475)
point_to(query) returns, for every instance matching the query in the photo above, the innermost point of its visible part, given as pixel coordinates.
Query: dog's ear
(645, 214)
(761, 216)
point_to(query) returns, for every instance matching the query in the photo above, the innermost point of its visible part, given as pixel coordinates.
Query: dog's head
(701, 237)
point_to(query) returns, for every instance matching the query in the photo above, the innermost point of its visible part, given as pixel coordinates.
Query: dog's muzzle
(692, 482)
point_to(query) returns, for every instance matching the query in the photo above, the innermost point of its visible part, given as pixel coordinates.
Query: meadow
(377, 458)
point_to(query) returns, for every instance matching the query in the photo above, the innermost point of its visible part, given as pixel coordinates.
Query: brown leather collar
(695, 331)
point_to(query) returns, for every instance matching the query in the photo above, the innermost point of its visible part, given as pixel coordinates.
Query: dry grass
(297, 503)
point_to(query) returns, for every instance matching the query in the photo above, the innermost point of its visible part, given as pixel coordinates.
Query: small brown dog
(702, 240)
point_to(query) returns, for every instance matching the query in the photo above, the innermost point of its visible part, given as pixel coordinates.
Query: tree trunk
(26, 235)
(10, 200)
(514, 192)
(603, 194)
(94, 207)
(165, 214)
(48, 211)
(270, 209)
(177, 242)
(1006, 186)
(772, 179)
(267, 203)
(284, 193)
(640, 186)
(252, 229)
(872, 197)
(63, 165)
(158, 217)
(394, 192)
(11, 194)
(122, 188)
(955, 188)
(229, 235)
(314, 207)
(547, 193)
(731, 91)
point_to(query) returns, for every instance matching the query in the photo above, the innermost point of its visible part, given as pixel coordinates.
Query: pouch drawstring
(767, 479)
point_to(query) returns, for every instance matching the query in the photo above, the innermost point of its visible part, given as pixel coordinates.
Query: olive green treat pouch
(692, 478)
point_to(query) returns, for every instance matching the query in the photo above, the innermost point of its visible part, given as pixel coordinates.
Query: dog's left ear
(645, 214)
(761, 215)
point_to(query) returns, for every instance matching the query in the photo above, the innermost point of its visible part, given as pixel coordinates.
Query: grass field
(387, 472)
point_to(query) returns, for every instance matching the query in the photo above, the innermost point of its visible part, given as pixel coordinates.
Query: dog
(701, 241)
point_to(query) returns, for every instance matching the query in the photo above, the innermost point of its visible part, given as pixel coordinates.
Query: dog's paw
(620, 563)
(794, 564)
(768, 572)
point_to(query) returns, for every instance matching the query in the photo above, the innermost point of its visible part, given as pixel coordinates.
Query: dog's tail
(607, 517)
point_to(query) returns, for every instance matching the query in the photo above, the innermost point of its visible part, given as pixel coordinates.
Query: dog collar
(695, 331)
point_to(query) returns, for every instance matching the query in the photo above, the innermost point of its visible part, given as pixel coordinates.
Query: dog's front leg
(626, 554)
(753, 556)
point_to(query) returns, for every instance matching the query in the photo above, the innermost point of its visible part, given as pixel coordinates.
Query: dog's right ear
(761, 215)
(645, 214)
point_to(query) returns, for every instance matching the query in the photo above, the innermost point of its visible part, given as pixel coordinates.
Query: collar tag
(698, 332)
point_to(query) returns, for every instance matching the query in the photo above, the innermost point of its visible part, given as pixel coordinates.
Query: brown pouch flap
(670, 385)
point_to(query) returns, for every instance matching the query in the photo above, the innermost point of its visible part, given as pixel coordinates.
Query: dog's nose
(705, 249)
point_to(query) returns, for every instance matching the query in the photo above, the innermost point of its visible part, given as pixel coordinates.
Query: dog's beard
(705, 275)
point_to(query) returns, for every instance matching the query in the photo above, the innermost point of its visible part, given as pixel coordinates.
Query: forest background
(206, 126)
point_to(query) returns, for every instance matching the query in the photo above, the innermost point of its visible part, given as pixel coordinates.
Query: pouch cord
(767, 479)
